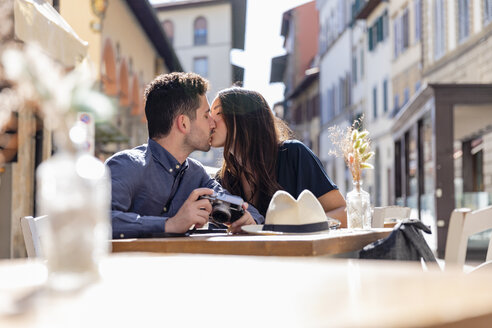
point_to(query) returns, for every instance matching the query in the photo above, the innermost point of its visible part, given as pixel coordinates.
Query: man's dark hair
(170, 95)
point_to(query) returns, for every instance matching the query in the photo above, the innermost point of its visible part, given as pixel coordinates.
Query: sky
(263, 42)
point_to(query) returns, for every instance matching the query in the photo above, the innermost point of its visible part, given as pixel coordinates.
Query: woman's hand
(246, 219)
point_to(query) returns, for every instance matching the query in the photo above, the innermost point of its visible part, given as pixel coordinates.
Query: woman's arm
(334, 205)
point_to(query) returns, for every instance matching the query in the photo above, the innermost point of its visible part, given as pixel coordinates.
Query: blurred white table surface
(327, 243)
(148, 290)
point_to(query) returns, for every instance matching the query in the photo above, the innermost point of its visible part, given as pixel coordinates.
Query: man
(155, 187)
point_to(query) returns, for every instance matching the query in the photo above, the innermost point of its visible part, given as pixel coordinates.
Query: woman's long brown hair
(251, 147)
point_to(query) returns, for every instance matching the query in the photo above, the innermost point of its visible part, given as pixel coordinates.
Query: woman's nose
(212, 122)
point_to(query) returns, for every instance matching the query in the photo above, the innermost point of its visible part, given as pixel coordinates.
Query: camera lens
(221, 213)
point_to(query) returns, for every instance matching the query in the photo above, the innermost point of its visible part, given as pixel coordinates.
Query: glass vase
(358, 208)
(74, 190)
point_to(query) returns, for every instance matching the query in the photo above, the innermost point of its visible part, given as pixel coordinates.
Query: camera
(225, 208)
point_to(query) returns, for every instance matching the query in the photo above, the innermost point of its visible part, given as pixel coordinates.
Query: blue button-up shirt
(149, 186)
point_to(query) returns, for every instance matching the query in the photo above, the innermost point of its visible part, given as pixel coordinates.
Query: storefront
(443, 155)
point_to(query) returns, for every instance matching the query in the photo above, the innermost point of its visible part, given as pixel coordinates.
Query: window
(439, 29)
(401, 30)
(354, 68)
(385, 96)
(200, 66)
(168, 27)
(341, 95)
(385, 25)
(405, 30)
(375, 102)
(396, 36)
(348, 90)
(379, 27)
(362, 63)
(298, 114)
(316, 106)
(396, 103)
(463, 19)
(331, 103)
(341, 16)
(487, 8)
(406, 96)
(200, 31)
(418, 20)
(378, 32)
(370, 39)
(329, 107)
(336, 99)
(417, 86)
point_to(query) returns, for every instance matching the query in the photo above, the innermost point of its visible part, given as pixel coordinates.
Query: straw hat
(288, 215)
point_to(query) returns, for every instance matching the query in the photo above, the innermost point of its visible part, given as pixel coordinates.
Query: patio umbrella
(37, 21)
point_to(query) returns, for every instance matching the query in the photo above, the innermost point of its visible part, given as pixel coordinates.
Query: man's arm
(133, 225)
(124, 183)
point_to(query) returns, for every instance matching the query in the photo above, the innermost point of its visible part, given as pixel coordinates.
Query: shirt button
(165, 209)
(122, 235)
(177, 166)
(170, 170)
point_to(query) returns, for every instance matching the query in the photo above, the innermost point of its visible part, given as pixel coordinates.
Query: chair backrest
(462, 224)
(32, 229)
(386, 212)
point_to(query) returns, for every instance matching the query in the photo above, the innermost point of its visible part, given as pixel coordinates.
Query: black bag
(405, 243)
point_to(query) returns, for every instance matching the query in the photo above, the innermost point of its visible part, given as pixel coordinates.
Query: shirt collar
(165, 158)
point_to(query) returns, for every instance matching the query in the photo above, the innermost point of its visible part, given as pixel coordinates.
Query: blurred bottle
(74, 190)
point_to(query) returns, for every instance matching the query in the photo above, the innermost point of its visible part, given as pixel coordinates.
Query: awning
(37, 21)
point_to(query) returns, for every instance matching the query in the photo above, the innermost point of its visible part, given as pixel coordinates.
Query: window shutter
(369, 31)
(380, 29)
(405, 30)
(385, 96)
(375, 102)
(395, 38)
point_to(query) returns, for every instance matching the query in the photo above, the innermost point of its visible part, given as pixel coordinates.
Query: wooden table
(138, 290)
(331, 243)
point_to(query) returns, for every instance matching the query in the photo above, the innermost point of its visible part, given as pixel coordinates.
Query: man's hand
(194, 211)
(246, 219)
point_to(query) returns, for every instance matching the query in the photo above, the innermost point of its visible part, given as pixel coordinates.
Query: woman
(259, 159)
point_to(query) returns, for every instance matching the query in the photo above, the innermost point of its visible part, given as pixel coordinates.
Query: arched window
(135, 97)
(123, 85)
(200, 31)
(108, 70)
(168, 27)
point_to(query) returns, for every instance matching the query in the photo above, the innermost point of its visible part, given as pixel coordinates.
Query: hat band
(310, 227)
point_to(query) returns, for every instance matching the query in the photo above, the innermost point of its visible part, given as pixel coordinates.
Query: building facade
(443, 134)
(334, 81)
(203, 33)
(377, 96)
(299, 72)
(127, 48)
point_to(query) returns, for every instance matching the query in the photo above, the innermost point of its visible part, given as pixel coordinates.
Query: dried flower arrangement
(354, 146)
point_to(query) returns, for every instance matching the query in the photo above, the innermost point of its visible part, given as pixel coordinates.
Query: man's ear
(183, 123)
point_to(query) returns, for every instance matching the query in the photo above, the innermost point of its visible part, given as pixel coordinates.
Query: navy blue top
(149, 186)
(298, 168)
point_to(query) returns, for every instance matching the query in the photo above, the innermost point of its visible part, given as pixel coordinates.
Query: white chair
(379, 214)
(462, 224)
(32, 229)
